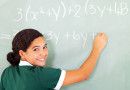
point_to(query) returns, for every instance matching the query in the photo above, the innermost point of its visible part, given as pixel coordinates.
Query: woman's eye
(44, 47)
(36, 49)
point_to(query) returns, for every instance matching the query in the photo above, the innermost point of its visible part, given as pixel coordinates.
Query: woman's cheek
(35, 56)
(31, 56)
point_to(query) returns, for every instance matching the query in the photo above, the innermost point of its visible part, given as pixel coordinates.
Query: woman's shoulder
(7, 69)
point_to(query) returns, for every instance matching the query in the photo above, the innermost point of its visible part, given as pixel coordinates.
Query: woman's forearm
(88, 66)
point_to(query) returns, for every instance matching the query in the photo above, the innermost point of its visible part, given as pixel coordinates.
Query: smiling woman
(37, 52)
(28, 60)
(21, 45)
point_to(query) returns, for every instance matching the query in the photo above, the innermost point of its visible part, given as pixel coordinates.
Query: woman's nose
(43, 52)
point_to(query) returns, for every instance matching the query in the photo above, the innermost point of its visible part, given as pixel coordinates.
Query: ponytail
(13, 58)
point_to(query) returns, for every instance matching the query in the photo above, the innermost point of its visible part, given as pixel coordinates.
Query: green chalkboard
(69, 27)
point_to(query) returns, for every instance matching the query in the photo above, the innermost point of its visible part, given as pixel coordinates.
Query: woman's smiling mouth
(41, 59)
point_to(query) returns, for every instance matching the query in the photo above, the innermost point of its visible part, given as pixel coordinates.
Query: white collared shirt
(24, 63)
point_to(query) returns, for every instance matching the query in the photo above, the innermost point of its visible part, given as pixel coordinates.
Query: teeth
(41, 59)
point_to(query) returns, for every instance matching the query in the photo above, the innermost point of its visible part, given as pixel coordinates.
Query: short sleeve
(51, 78)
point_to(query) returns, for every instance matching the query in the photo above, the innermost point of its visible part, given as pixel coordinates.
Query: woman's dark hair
(21, 41)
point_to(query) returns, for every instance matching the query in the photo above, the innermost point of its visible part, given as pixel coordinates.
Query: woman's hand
(100, 42)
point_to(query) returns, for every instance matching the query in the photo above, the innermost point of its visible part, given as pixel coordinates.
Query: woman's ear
(22, 54)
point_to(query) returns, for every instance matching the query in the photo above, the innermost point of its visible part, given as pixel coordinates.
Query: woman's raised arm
(85, 70)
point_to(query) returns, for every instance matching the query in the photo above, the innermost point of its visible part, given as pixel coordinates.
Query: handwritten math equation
(62, 10)
(59, 37)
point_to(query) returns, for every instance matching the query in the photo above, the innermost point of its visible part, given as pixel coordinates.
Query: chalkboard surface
(69, 27)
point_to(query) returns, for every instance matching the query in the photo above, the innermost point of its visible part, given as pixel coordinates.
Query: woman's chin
(42, 64)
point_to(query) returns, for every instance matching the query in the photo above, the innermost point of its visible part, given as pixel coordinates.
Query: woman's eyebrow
(39, 46)
(45, 44)
(35, 46)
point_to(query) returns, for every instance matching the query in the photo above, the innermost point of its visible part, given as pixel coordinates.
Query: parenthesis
(64, 9)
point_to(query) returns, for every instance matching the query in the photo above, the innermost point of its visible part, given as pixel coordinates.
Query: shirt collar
(24, 63)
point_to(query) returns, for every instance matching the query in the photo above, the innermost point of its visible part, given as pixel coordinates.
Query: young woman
(28, 60)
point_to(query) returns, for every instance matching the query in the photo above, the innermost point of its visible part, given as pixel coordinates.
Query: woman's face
(37, 52)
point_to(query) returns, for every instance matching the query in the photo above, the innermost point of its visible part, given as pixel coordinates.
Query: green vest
(31, 78)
